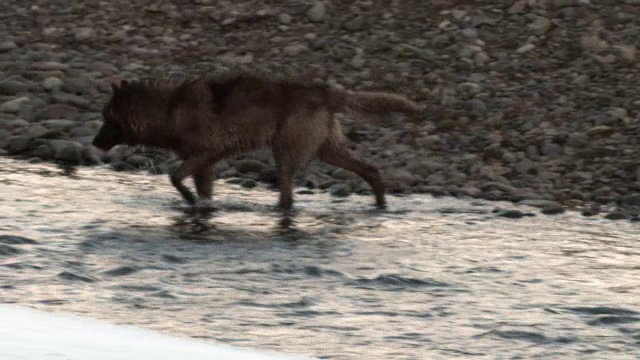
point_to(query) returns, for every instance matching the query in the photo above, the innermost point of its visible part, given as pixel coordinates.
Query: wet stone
(340, 190)
(552, 209)
(248, 183)
(511, 214)
(13, 87)
(19, 144)
(616, 215)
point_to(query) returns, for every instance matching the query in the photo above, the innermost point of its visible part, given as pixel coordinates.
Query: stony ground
(528, 99)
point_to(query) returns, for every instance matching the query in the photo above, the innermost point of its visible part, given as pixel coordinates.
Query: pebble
(295, 49)
(84, 34)
(18, 144)
(552, 209)
(318, 11)
(541, 25)
(13, 106)
(248, 183)
(52, 83)
(340, 190)
(66, 150)
(285, 18)
(13, 87)
(525, 48)
(58, 124)
(7, 45)
(249, 165)
(512, 214)
(57, 111)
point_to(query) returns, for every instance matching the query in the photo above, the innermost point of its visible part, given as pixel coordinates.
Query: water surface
(427, 279)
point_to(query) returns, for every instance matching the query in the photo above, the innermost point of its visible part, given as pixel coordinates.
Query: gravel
(531, 100)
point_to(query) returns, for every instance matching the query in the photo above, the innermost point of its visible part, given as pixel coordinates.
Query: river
(429, 278)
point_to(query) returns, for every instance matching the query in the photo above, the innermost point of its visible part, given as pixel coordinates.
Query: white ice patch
(30, 334)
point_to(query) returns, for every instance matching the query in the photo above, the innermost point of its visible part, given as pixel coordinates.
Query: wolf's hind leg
(338, 154)
(293, 147)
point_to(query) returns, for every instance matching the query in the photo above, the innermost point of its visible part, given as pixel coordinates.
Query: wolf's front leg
(197, 166)
(204, 187)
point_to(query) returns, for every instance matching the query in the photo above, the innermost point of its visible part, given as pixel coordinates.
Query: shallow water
(429, 278)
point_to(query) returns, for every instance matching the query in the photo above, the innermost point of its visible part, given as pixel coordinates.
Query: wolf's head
(116, 128)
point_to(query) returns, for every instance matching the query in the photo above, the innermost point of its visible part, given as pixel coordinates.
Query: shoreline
(629, 211)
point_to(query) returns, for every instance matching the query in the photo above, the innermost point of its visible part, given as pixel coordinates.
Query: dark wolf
(206, 119)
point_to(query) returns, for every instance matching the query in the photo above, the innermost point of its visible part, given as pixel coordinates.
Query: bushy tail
(368, 103)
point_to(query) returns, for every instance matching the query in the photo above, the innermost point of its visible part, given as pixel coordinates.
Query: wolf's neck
(150, 120)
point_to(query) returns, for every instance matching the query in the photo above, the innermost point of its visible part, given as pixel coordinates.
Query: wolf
(208, 118)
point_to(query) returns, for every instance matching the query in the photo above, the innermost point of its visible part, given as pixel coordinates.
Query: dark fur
(207, 119)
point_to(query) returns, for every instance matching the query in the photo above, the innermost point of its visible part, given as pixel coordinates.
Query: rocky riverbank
(531, 100)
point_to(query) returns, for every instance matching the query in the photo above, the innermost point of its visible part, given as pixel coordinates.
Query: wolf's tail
(366, 102)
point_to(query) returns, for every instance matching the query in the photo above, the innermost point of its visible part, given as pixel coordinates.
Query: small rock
(512, 214)
(58, 124)
(525, 48)
(121, 166)
(295, 49)
(342, 174)
(552, 209)
(541, 25)
(481, 58)
(13, 106)
(285, 18)
(318, 11)
(4, 135)
(15, 124)
(249, 165)
(49, 66)
(139, 161)
(77, 86)
(630, 200)
(403, 176)
(57, 111)
(476, 107)
(92, 154)
(82, 131)
(354, 24)
(591, 210)
(118, 153)
(340, 190)
(551, 149)
(52, 84)
(8, 45)
(13, 87)
(248, 183)
(628, 53)
(229, 173)
(593, 43)
(43, 151)
(518, 7)
(18, 144)
(616, 215)
(66, 150)
(600, 131)
(84, 34)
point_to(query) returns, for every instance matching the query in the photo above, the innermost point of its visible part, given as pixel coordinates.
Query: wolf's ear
(114, 87)
(123, 84)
